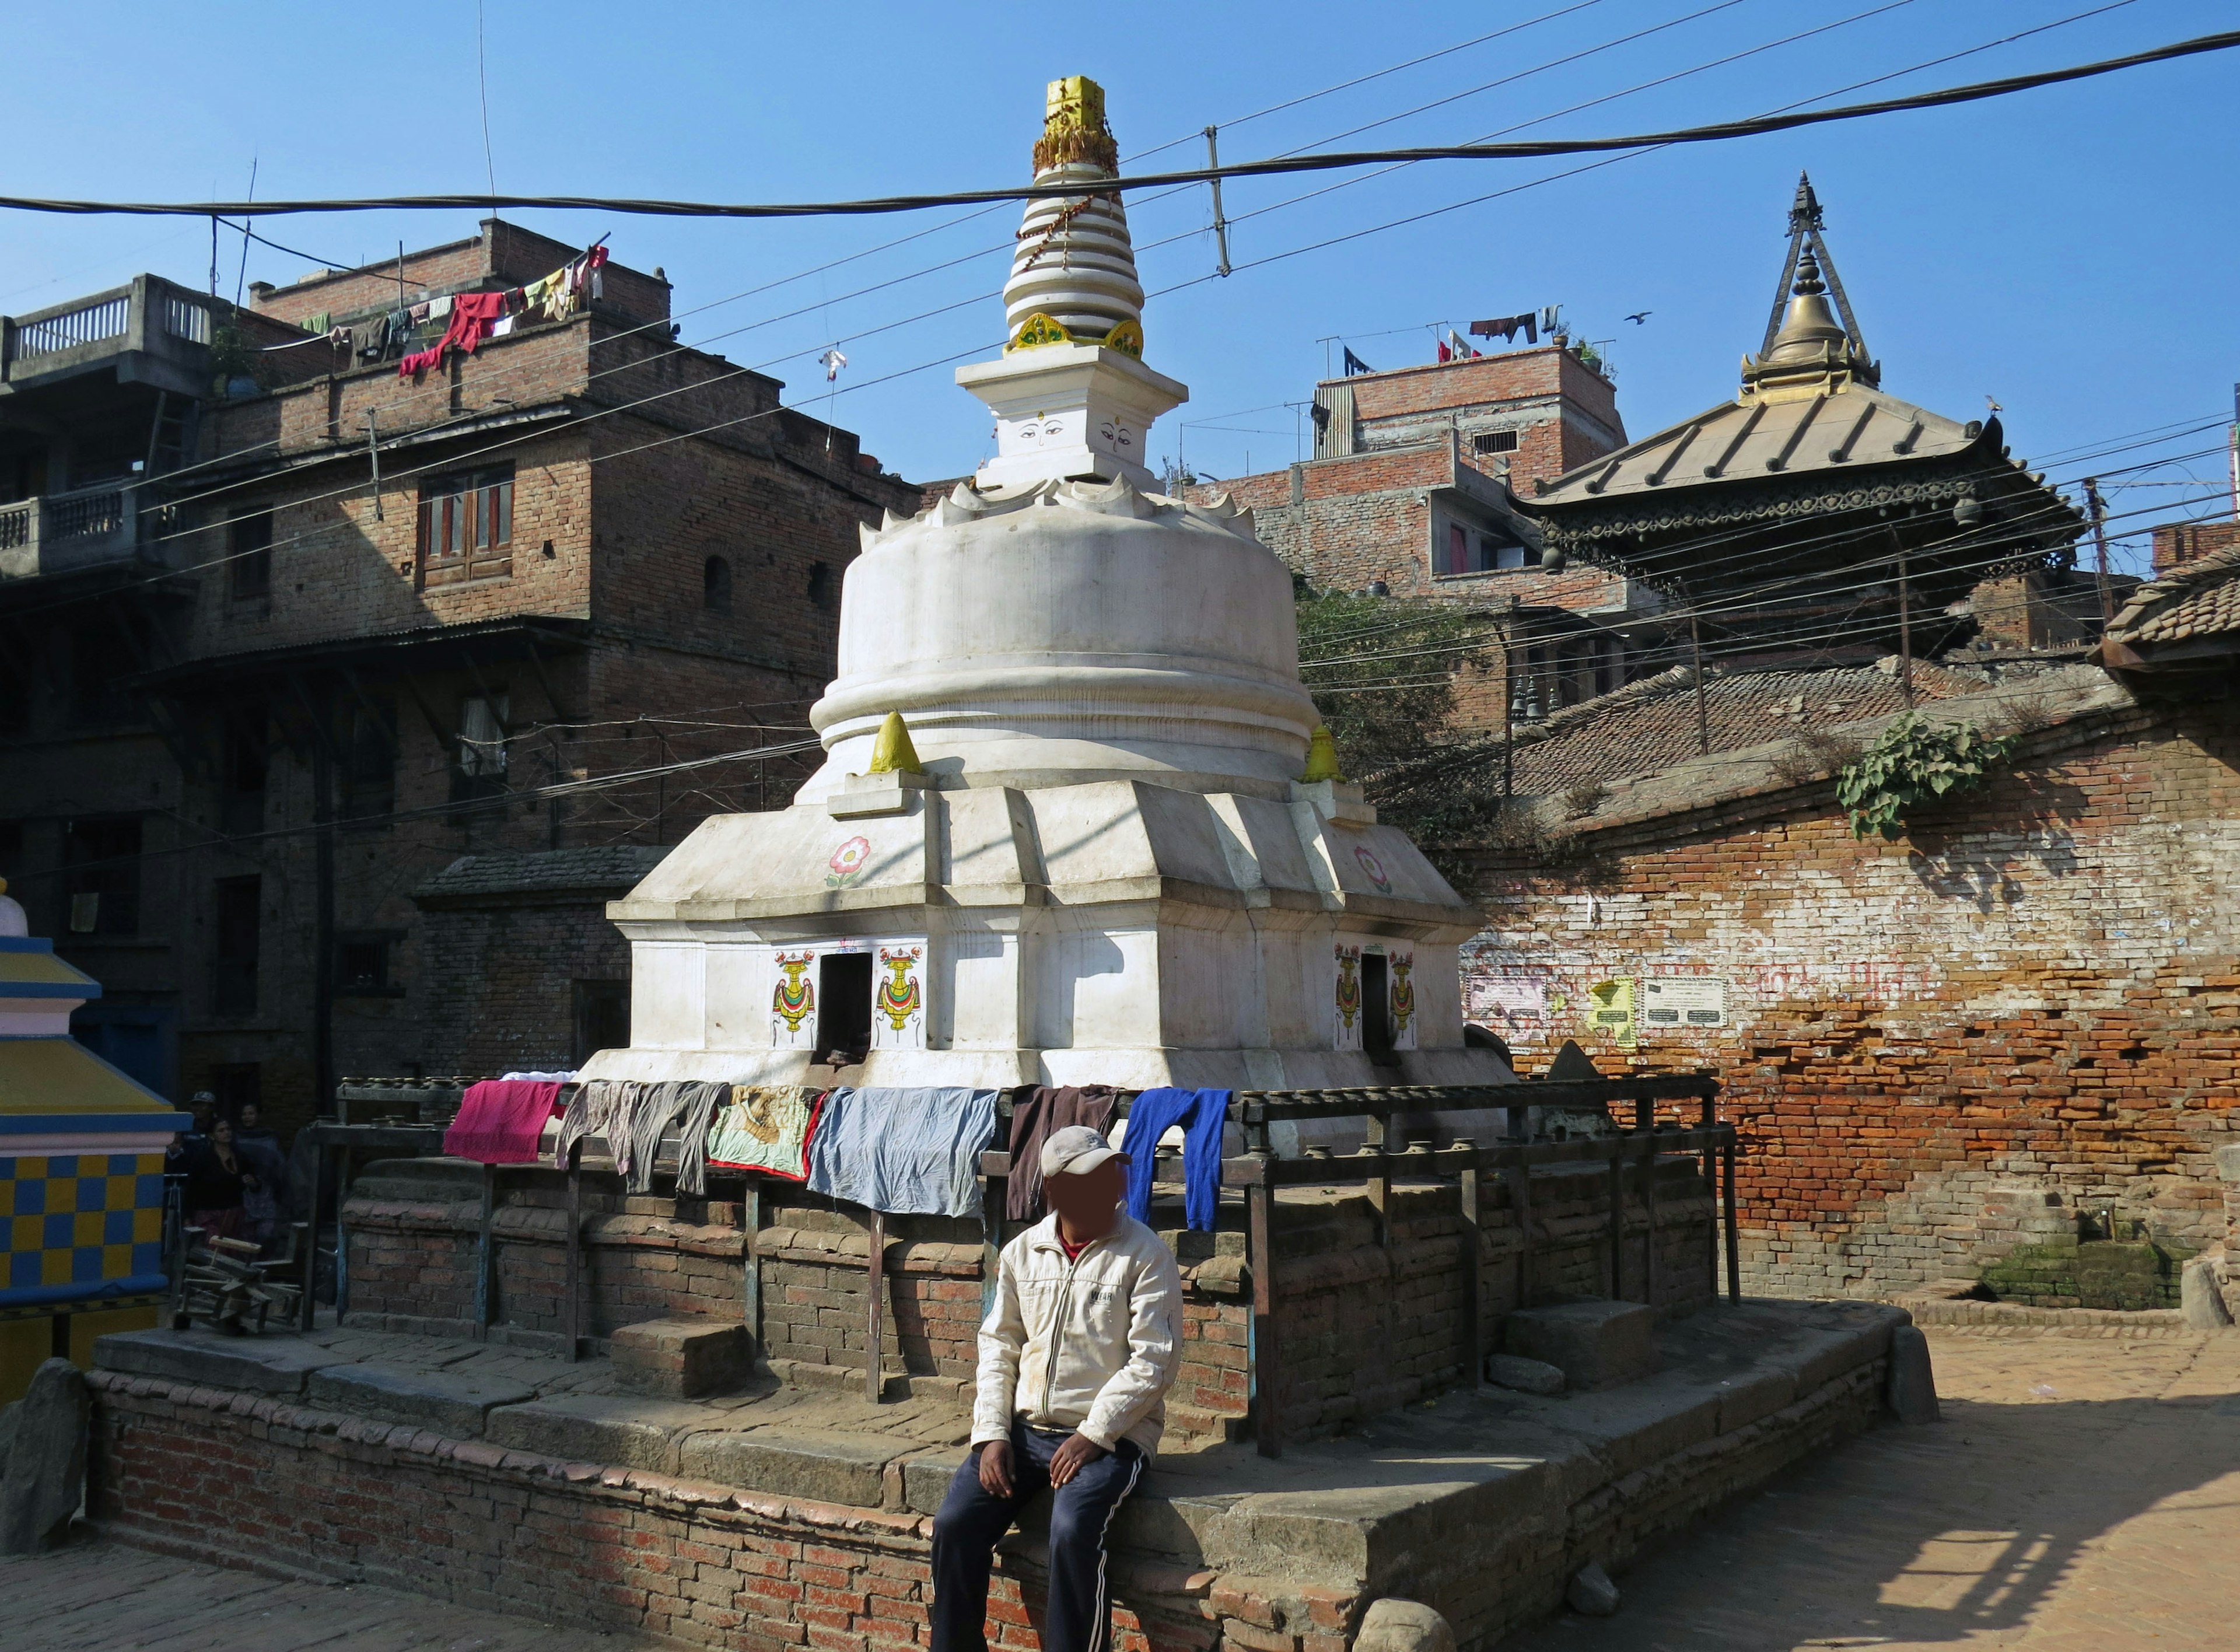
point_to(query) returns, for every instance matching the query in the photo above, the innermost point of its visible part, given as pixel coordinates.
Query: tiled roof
(1758, 436)
(1651, 725)
(2201, 599)
(610, 869)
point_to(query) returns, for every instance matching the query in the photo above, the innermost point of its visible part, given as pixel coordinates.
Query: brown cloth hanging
(1033, 1117)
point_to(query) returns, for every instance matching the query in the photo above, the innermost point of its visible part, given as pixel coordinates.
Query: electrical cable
(1715, 133)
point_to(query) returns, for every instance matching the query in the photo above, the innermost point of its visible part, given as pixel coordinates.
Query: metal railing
(90, 323)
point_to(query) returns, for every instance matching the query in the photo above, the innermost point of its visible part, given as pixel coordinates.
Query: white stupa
(1074, 824)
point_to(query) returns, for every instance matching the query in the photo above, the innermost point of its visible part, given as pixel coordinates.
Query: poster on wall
(1684, 1001)
(898, 996)
(1346, 1025)
(1400, 994)
(1609, 1011)
(793, 1000)
(1511, 1005)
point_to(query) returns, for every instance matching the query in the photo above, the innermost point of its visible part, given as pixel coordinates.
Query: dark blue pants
(972, 1520)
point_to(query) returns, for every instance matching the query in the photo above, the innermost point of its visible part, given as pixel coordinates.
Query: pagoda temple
(1814, 513)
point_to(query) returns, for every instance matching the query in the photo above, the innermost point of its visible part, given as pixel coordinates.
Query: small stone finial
(892, 752)
(1322, 757)
(1808, 284)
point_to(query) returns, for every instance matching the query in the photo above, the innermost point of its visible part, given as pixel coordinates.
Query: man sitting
(1075, 1359)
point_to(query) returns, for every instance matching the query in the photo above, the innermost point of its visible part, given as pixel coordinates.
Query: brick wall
(1363, 1327)
(2034, 993)
(462, 1521)
(2176, 543)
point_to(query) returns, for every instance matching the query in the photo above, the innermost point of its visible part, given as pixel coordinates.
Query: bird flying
(1640, 316)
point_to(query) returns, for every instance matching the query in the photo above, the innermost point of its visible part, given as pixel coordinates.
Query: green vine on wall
(1914, 763)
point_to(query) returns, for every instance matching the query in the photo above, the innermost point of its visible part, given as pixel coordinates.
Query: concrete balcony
(70, 533)
(150, 331)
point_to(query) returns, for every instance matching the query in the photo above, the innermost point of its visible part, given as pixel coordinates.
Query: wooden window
(466, 526)
(102, 879)
(249, 557)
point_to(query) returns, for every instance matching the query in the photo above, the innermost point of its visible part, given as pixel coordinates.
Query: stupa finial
(1072, 398)
(1812, 341)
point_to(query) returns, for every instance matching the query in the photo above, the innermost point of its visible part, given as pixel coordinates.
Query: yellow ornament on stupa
(1322, 757)
(892, 752)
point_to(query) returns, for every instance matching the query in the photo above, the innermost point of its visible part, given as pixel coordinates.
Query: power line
(1718, 132)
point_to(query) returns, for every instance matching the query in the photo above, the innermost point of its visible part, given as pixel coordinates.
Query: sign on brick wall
(1684, 1001)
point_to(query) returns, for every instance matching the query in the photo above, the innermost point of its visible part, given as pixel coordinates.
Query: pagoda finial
(1811, 338)
(1804, 212)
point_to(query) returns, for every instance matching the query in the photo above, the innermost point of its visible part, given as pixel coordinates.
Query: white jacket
(1091, 1345)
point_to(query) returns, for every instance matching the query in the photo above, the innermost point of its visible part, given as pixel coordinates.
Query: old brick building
(257, 698)
(2016, 1025)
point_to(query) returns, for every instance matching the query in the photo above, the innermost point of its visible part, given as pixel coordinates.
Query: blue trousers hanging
(1200, 1113)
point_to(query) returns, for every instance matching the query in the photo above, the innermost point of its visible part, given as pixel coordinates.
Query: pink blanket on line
(500, 1121)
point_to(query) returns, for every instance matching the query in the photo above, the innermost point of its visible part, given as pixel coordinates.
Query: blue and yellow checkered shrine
(80, 1221)
(82, 1151)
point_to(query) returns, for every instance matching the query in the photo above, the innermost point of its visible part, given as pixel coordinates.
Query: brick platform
(1479, 1505)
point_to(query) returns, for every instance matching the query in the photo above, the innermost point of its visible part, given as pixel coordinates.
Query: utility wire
(1717, 132)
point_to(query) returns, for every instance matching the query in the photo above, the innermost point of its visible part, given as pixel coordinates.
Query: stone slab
(43, 1440)
(926, 1477)
(1528, 1377)
(681, 1359)
(259, 1364)
(1595, 1344)
(823, 1464)
(446, 1402)
(601, 1428)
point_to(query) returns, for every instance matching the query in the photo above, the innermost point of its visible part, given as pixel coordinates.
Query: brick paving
(2082, 1494)
(103, 1597)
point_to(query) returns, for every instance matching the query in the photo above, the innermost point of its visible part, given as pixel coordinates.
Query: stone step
(681, 1359)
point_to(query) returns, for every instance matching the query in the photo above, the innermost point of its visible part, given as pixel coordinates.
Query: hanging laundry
(419, 313)
(371, 339)
(502, 327)
(473, 315)
(834, 360)
(1507, 327)
(1033, 1117)
(685, 1106)
(501, 1120)
(439, 308)
(907, 1152)
(1355, 365)
(1200, 1113)
(766, 1128)
(1462, 352)
(603, 1107)
(318, 323)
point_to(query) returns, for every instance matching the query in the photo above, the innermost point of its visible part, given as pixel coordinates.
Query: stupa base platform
(778, 1516)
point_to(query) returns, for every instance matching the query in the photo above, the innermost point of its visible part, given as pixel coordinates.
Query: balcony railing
(69, 532)
(168, 327)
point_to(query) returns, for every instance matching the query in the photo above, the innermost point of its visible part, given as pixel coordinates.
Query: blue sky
(2066, 250)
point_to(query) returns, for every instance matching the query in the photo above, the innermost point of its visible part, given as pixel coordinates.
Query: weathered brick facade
(665, 590)
(2036, 992)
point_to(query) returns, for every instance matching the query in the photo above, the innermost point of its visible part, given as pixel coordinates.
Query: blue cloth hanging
(1200, 1113)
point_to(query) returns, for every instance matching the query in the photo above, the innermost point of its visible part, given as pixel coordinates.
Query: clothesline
(896, 1150)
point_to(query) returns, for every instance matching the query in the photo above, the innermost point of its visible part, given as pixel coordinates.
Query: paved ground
(2082, 1494)
(104, 1597)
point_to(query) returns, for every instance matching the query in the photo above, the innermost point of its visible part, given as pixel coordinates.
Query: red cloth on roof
(473, 315)
(500, 1121)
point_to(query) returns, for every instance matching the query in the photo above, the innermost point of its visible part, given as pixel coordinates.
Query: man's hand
(1077, 1454)
(996, 1467)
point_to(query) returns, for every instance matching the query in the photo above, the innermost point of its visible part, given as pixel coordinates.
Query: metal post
(483, 1249)
(1710, 1174)
(373, 456)
(1267, 1364)
(873, 1380)
(1473, 1260)
(1220, 224)
(572, 1268)
(1696, 654)
(1617, 1220)
(1904, 632)
(2098, 508)
(751, 1271)
(1734, 1256)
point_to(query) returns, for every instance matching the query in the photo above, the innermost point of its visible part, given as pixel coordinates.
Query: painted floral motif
(848, 862)
(1404, 999)
(1349, 987)
(794, 999)
(899, 997)
(1374, 868)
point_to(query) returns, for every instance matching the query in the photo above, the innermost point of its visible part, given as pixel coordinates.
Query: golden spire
(892, 752)
(1322, 757)
(1813, 346)
(1074, 128)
